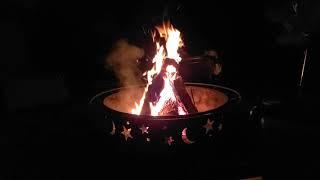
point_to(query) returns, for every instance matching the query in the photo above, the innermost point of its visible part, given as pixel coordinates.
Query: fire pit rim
(235, 99)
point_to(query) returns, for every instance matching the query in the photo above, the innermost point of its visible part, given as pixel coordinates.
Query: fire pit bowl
(113, 108)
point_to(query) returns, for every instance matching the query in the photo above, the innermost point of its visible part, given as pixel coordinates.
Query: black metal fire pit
(113, 113)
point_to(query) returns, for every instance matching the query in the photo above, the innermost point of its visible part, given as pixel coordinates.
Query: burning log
(152, 94)
(165, 93)
(184, 96)
(182, 100)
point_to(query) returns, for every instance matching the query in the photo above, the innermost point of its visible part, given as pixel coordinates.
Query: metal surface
(233, 97)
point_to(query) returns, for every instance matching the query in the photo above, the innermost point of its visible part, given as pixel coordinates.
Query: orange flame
(173, 40)
(167, 95)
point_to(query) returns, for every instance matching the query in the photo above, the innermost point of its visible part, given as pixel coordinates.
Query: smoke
(123, 61)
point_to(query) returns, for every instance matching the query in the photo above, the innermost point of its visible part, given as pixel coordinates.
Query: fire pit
(211, 101)
(165, 110)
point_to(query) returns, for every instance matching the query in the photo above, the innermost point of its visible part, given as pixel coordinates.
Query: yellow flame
(173, 43)
(158, 61)
(173, 40)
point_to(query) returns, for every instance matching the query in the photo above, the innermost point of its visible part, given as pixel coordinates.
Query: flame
(173, 40)
(167, 94)
(173, 43)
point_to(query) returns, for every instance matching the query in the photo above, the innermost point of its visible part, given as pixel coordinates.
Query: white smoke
(123, 61)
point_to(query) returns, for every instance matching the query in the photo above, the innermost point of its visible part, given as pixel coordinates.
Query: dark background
(52, 63)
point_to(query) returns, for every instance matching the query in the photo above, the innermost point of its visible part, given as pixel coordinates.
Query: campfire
(165, 93)
(165, 109)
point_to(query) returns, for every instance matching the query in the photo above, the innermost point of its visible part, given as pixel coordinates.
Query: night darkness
(53, 61)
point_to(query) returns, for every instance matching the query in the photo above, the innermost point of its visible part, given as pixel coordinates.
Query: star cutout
(126, 133)
(148, 139)
(113, 129)
(169, 140)
(128, 123)
(208, 126)
(144, 129)
(220, 127)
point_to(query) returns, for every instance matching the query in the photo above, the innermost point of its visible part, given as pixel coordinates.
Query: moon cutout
(113, 129)
(185, 138)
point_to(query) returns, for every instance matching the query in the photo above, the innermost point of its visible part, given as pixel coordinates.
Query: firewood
(184, 96)
(183, 99)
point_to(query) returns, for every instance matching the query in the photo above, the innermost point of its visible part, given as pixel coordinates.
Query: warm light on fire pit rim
(207, 98)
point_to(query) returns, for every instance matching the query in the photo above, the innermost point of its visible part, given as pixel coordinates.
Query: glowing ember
(167, 96)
